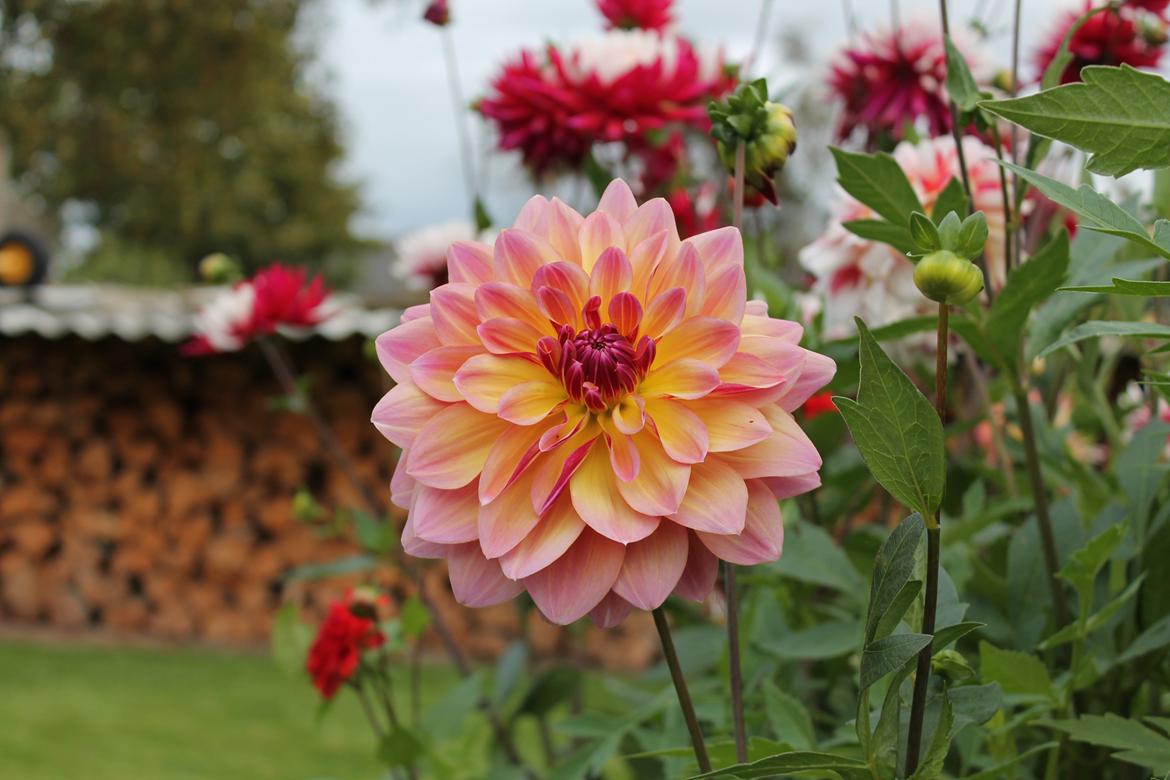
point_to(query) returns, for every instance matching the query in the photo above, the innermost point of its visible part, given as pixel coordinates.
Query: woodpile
(147, 494)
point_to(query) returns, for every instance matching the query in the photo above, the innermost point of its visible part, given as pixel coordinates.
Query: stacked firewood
(151, 495)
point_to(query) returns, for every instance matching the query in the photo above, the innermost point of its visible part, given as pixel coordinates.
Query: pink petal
(420, 548)
(611, 274)
(818, 371)
(618, 201)
(661, 483)
(726, 294)
(531, 402)
(507, 519)
(566, 278)
(469, 262)
(762, 538)
(554, 470)
(623, 455)
(653, 566)
(453, 312)
(653, 216)
(596, 497)
(519, 254)
(598, 233)
(685, 271)
(533, 216)
(700, 338)
(402, 412)
(564, 225)
(646, 257)
(416, 312)
(664, 312)
(698, 578)
(450, 450)
(476, 581)
(402, 485)
(484, 379)
(787, 452)
(680, 379)
(763, 325)
(399, 347)
(787, 487)
(718, 248)
(681, 431)
(509, 336)
(575, 583)
(612, 610)
(716, 500)
(629, 415)
(445, 516)
(511, 454)
(552, 536)
(732, 425)
(434, 371)
(498, 299)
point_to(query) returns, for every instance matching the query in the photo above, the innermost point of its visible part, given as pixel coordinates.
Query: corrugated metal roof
(132, 314)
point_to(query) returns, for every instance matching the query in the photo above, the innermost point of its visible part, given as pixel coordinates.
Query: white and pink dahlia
(857, 277)
(590, 411)
(421, 259)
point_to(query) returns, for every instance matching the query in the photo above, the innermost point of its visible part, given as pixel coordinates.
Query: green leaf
(401, 747)
(1098, 211)
(961, 86)
(892, 570)
(824, 640)
(1027, 285)
(1017, 673)
(1119, 115)
(290, 641)
(508, 670)
(952, 633)
(972, 236)
(889, 653)
(1140, 745)
(975, 703)
(877, 181)
(940, 744)
(1098, 328)
(1126, 287)
(414, 617)
(784, 763)
(999, 771)
(1084, 564)
(889, 621)
(897, 330)
(1153, 638)
(924, 232)
(896, 429)
(812, 556)
(788, 718)
(952, 198)
(348, 564)
(884, 232)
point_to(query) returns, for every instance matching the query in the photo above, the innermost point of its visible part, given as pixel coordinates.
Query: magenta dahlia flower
(890, 80)
(1111, 37)
(592, 412)
(637, 14)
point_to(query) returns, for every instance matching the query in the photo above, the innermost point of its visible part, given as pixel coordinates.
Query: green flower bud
(945, 277)
(766, 130)
(218, 268)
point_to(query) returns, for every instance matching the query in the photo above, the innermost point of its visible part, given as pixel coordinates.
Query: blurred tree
(184, 126)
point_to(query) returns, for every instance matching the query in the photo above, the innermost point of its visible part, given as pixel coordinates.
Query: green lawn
(151, 714)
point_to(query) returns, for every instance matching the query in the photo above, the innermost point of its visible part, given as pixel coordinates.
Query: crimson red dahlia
(637, 14)
(1110, 37)
(337, 650)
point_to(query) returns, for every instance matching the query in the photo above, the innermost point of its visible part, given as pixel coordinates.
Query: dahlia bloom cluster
(892, 79)
(590, 411)
(637, 14)
(1133, 34)
(422, 255)
(871, 280)
(337, 650)
(277, 296)
(616, 87)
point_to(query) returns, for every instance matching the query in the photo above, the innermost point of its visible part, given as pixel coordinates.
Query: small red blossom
(1109, 37)
(337, 650)
(438, 13)
(637, 14)
(815, 406)
(695, 211)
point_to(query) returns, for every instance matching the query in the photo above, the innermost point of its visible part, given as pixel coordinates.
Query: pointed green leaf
(786, 763)
(1017, 673)
(952, 198)
(892, 570)
(1142, 745)
(1097, 328)
(878, 182)
(961, 86)
(884, 232)
(1126, 287)
(889, 653)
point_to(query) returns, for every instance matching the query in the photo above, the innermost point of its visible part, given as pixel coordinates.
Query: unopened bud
(766, 130)
(218, 268)
(945, 277)
(363, 603)
(1153, 30)
(438, 13)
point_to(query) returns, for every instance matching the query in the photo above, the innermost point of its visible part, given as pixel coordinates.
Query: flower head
(765, 130)
(591, 411)
(337, 650)
(422, 255)
(892, 79)
(277, 296)
(637, 14)
(438, 13)
(857, 277)
(1109, 37)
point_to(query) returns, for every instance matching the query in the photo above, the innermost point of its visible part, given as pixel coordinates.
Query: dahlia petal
(531, 402)
(623, 455)
(763, 325)
(548, 541)
(625, 312)
(399, 347)
(507, 519)
(519, 254)
(575, 583)
(511, 454)
(652, 567)
(611, 275)
(509, 336)
(476, 581)
(618, 201)
(700, 338)
(567, 278)
(402, 412)
(664, 312)
(453, 312)
(698, 578)
(646, 257)
(716, 499)
(484, 378)
(746, 372)
(629, 415)
(469, 262)
(402, 485)
(611, 611)
(681, 379)
(420, 548)
(681, 431)
(787, 487)
(661, 482)
(726, 294)
(554, 471)
(445, 516)
(598, 233)
(596, 497)
(818, 371)
(533, 216)
(564, 225)
(787, 452)
(451, 449)
(731, 425)
(499, 299)
(653, 216)
(434, 371)
(762, 538)
(718, 248)
(416, 312)
(686, 271)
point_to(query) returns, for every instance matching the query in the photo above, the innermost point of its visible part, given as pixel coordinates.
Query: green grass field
(105, 713)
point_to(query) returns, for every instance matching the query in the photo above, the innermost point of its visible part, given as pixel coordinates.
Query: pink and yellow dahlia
(592, 412)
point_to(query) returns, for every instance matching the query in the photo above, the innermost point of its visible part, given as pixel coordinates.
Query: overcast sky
(390, 84)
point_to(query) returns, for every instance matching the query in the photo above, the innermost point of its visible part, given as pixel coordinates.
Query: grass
(105, 713)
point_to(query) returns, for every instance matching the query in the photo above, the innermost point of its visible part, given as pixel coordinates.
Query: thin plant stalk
(930, 605)
(455, 87)
(758, 41)
(1015, 130)
(734, 654)
(680, 688)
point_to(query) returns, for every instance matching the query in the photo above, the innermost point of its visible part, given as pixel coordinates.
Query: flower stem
(930, 605)
(734, 661)
(454, 86)
(737, 196)
(680, 687)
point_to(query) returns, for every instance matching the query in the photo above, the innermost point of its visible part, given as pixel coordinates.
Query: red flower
(637, 14)
(821, 403)
(438, 13)
(337, 650)
(1153, 6)
(1111, 37)
(695, 213)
